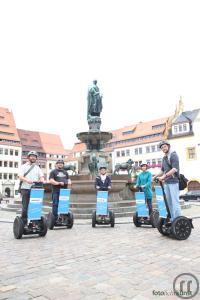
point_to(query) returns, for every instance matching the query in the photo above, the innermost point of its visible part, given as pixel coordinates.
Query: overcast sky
(145, 55)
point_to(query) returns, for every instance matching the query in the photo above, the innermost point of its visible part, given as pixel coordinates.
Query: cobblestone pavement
(88, 263)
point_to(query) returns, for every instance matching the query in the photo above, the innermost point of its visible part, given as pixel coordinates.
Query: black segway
(180, 228)
(65, 216)
(36, 224)
(102, 215)
(141, 217)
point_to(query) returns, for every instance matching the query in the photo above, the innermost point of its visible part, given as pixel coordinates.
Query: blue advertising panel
(63, 205)
(102, 203)
(141, 204)
(35, 204)
(160, 201)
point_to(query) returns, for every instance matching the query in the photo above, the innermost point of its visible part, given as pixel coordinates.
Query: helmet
(32, 153)
(60, 161)
(163, 143)
(143, 164)
(102, 167)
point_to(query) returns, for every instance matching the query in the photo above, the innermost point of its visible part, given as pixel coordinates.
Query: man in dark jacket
(103, 181)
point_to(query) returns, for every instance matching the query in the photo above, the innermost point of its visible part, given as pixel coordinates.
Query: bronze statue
(94, 101)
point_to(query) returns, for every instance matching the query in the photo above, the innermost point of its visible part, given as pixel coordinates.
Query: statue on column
(94, 107)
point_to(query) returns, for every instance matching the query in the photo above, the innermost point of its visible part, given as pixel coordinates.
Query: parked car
(191, 195)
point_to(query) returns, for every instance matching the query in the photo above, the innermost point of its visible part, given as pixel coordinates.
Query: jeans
(172, 195)
(25, 194)
(150, 206)
(55, 200)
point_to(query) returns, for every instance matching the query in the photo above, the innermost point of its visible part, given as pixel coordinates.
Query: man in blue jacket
(103, 181)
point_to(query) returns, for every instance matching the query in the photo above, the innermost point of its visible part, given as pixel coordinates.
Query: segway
(102, 215)
(36, 222)
(141, 216)
(65, 216)
(180, 228)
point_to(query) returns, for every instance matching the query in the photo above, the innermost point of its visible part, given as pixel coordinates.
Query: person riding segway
(174, 223)
(60, 215)
(32, 193)
(102, 215)
(144, 198)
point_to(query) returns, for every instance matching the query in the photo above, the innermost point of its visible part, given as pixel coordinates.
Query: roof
(30, 140)
(186, 116)
(134, 134)
(41, 142)
(8, 130)
(52, 143)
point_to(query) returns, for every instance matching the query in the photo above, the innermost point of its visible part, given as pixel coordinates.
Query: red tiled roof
(52, 143)
(8, 130)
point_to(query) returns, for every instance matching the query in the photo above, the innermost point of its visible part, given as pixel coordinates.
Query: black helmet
(60, 161)
(163, 143)
(32, 153)
(102, 167)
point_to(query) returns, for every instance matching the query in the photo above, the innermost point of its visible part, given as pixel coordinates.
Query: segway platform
(36, 222)
(141, 216)
(180, 228)
(103, 216)
(65, 216)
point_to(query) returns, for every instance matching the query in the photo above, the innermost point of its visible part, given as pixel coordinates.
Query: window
(4, 176)
(10, 164)
(148, 162)
(15, 176)
(136, 163)
(191, 153)
(180, 128)
(127, 152)
(136, 151)
(50, 166)
(0, 175)
(175, 129)
(184, 127)
(16, 152)
(16, 164)
(5, 164)
(1, 150)
(147, 149)
(11, 152)
(159, 161)
(140, 150)
(153, 148)
(118, 153)
(6, 151)
(122, 153)
(10, 176)
(0, 163)
(153, 161)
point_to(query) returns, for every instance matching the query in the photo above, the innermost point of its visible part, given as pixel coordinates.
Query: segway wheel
(181, 228)
(51, 221)
(94, 218)
(154, 218)
(161, 226)
(43, 227)
(135, 219)
(18, 227)
(70, 220)
(112, 218)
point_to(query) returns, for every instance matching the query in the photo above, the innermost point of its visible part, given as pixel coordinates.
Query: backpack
(181, 178)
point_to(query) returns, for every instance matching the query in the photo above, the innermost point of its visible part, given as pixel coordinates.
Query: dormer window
(180, 128)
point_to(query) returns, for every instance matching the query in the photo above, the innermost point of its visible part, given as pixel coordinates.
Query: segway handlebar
(37, 185)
